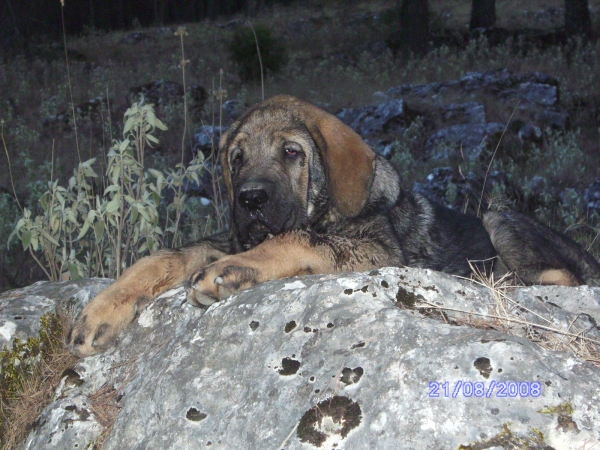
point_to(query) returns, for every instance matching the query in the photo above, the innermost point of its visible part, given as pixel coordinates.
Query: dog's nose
(253, 199)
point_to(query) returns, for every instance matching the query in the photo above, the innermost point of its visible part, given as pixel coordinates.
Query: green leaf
(26, 239)
(113, 205)
(74, 271)
(99, 230)
(49, 237)
(155, 173)
(84, 229)
(134, 215)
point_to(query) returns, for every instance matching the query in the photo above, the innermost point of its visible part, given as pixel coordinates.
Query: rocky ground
(398, 358)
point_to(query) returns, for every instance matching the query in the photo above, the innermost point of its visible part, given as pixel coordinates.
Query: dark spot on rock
(485, 341)
(385, 284)
(39, 422)
(317, 391)
(357, 345)
(83, 414)
(119, 396)
(364, 289)
(72, 377)
(289, 366)
(208, 444)
(495, 411)
(254, 325)
(456, 367)
(311, 379)
(461, 292)
(290, 326)
(315, 330)
(406, 298)
(430, 288)
(351, 376)
(512, 359)
(339, 410)
(566, 423)
(548, 383)
(348, 291)
(402, 276)
(307, 329)
(18, 318)
(329, 325)
(499, 370)
(70, 408)
(484, 366)
(374, 273)
(194, 415)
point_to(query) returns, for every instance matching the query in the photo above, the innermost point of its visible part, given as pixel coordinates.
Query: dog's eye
(292, 150)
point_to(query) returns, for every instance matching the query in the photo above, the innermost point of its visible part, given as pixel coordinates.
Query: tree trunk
(483, 14)
(577, 17)
(414, 23)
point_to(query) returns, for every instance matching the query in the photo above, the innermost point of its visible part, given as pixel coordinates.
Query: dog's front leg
(290, 254)
(113, 309)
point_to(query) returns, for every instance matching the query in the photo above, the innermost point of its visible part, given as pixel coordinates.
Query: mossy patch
(564, 413)
(351, 376)
(484, 366)
(336, 415)
(534, 439)
(407, 299)
(194, 415)
(23, 362)
(289, 366)
(290, 326)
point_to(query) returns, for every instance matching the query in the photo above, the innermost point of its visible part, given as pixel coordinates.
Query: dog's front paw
(98, 325)
(220, 280)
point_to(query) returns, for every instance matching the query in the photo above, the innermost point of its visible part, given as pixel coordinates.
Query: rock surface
(340, 361)
(22, 309)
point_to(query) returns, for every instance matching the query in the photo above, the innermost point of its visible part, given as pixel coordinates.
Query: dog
(309, 196)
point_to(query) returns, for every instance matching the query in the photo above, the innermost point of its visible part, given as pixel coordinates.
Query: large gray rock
(466, 141)
(341, 361)
(389, 116)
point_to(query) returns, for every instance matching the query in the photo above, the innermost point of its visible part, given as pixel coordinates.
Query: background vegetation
(336, 54)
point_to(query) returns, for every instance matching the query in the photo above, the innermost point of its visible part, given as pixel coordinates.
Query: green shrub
(84, 230)
(243, 52)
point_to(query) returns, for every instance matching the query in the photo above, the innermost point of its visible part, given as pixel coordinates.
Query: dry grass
(21, 406)
(506, 316)
(104, 405)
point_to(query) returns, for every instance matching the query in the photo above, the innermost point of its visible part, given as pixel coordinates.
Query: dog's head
(287, 165)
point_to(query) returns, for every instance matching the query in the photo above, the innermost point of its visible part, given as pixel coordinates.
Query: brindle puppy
(307, 195)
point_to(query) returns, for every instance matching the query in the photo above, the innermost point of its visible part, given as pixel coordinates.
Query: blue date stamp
(478, 389)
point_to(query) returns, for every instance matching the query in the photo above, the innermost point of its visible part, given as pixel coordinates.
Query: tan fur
(117, 305)
(326, 186)
(559, 277)
(287, 255)
(348, 158)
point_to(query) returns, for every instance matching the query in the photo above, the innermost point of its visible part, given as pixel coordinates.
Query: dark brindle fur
(307, 195)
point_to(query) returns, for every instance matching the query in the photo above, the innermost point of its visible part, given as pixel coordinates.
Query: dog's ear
(347, 158)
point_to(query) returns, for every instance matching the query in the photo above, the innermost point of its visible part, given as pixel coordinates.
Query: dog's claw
(219, 280)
